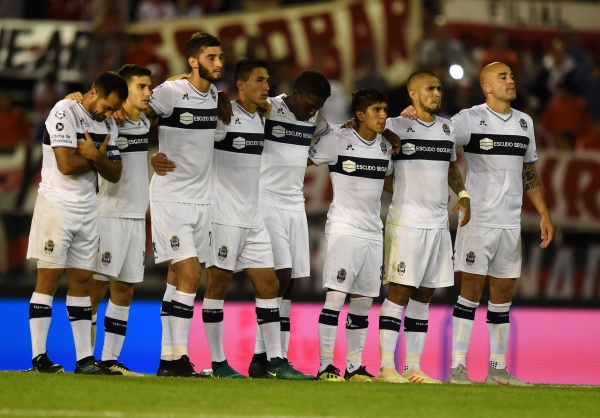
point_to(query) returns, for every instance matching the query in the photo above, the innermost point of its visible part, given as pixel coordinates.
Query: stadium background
(553, 48)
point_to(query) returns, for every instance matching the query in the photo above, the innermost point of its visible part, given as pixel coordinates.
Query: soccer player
(359, 160)
(123, 207)
(180, 202)
(79, 143)
(418, 246)
(499, 144)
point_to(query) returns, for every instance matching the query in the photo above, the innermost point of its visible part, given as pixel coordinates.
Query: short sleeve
(322, 127)
(60, 125)
(112, 150)
(461, 123)
(221, 131)
(162, 100)
(325, 150)
(531, 153)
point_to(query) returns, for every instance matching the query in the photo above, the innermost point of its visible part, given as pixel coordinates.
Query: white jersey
(496, 147)
(66, 124)
(236, 169)
(420, 198)
(283, 163)
(357, 169)
(186, 134)
(128, 198)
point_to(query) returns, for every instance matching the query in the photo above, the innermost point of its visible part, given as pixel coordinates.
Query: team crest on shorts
(401, 269)
(446, 128)
(223, 251)
(49, 247)
(175, 242)
(470, 258)
(523, 124)
(106, 257)
(341, 276)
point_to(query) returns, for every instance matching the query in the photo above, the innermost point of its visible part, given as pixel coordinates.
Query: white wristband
(464, 193)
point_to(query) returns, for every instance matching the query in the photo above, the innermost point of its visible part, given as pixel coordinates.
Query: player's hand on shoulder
(75, 96)
(350, 123)
(224, 110)
(120, 116)
(161, 164)
(410, 112)
(264, 110)
(179, 77)
(393, 139)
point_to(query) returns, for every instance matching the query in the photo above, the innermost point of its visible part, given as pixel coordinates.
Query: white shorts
(488, 251)
(288, 230)
(180, 231)
(63, 238)
(122, 250)
(418, 257)
(237, 248)
(353, 265)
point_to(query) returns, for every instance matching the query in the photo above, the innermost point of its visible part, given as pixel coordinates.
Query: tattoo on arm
(531, 180)
(455, 180)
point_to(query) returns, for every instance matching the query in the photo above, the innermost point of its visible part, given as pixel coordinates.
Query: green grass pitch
(69, 395)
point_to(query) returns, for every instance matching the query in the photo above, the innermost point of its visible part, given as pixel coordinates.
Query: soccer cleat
(224, 371)
(258, 366)
(91, 366)
(391, 376)
(417, 376)
(183, 368)
(504, 378)
(359, 375)
(459, 376)
(42, 364)
(330, 374)
(165, 368)
(278, 368)
(119, 367)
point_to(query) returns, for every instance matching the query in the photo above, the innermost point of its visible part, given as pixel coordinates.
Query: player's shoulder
(398, 121)
(64, 105)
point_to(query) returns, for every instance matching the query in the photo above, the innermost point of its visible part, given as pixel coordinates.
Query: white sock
(79, 310)
(463, 319)
(328, 325)
(267, 316)
(115, 327)
(416, 322)
(40, 314)
(498, 325)
(390, 318)
(212, 316)
(166, 349)
(285, 307)
(259, 341)
(181, 322)
(357, 323)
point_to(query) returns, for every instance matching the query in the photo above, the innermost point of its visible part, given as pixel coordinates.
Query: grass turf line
(29, 394)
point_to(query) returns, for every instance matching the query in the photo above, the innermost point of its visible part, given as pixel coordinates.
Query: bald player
(499, 144)
(418, 246)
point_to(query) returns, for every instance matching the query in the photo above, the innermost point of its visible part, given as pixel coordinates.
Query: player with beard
(180, 203)
(418, 250)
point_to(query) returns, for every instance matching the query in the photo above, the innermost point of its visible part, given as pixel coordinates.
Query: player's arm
(224, 110)
(532, 186)
(69, 162)
(107, 168)
(456, 183)
(393, 139)
(388, 184)
(161, 164)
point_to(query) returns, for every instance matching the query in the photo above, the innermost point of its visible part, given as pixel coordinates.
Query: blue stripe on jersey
(242, 143)
(492, 144)
(360, 167)
(288, 133)
(423, 149)
(135, 143)
(189, 118)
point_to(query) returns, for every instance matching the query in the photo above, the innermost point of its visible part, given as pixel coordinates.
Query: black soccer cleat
(183, 368)
(258, 366)
(42, 364)
(90, 365)
(165, 368)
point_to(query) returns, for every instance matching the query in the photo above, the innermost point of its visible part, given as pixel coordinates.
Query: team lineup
(227, 195)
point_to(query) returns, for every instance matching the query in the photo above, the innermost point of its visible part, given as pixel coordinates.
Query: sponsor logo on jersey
(523, 124)
(60, 113)
(446, 128)
(175, 243)
(408, 149)
(237, 121)
(278, 131)
(60, 126)
(410, 129)
(312, 152)
(486, 144)
(401, 269)
(186, 118)
(349, 167)
(185, 97)
(223, 251)
(482, 123)
(106, 257)
(280, 111)
(350, 325)
(49, 247)
(349, 147)
(470, 258)
(341, 276)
